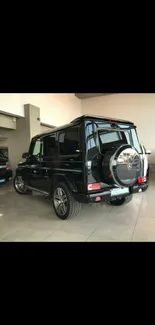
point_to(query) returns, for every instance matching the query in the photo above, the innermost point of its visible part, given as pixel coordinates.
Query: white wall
(139, 108)
(55, 109)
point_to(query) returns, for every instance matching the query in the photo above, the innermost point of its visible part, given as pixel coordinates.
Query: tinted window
(129, 136)
(69, 142)
(50, 146)
(108, 137)
(92, 142)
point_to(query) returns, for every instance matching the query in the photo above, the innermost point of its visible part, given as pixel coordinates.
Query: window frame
(78, 126)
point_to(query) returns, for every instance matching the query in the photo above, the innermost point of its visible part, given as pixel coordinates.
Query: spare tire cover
(124, 164)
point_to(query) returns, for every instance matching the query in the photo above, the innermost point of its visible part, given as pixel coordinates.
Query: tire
(24, 191)
(145, 189)
(121, 165)
(121, 201)
(70, 207)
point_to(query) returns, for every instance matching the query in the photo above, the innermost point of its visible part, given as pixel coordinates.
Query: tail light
(142, 179)
(93, 186)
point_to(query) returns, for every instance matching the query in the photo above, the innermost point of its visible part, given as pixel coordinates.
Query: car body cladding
(70, 166)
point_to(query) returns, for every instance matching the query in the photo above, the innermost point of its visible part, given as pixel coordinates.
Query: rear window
(129, 136)
(107, 137)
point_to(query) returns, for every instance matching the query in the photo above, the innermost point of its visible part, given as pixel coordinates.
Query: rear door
(70, 155)
(33, 167)
(49, 160)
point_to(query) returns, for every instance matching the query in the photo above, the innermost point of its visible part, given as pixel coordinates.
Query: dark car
(5, 170)
(92, 159)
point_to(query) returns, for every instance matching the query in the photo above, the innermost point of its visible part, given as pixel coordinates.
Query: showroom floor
(27, 218)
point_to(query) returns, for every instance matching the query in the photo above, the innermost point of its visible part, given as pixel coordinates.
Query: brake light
(142, 179)
(93, 187)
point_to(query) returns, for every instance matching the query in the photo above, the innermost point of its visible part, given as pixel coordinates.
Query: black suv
(92, 159)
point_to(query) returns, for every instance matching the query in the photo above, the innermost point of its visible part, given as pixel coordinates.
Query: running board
(36, 190)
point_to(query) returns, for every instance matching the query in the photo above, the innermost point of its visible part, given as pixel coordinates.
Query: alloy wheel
(60, 201)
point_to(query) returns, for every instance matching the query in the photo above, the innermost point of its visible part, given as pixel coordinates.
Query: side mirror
(25, 155)
(148, 152)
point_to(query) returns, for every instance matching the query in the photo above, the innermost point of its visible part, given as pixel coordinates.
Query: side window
(50, 145)
(35, 148)
(92, 142)
(69, 142)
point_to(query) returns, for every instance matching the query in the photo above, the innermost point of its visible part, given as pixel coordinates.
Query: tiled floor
(31, 218)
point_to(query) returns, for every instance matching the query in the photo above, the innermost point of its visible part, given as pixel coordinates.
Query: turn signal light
(142, 179)
(93, 187)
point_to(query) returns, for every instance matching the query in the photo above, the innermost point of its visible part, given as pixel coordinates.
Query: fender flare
(57, 177)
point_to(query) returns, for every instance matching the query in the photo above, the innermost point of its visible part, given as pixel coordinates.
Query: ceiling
(89, 95)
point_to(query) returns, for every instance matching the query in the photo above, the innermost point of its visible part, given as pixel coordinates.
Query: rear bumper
(106, 195)
(138, 188)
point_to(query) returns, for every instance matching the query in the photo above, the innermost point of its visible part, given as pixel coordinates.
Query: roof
(99, 117)
(80, 119)
(45, 133)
